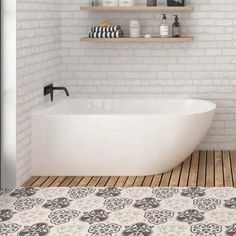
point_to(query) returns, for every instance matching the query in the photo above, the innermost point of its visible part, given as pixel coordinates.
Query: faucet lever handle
(48, 90)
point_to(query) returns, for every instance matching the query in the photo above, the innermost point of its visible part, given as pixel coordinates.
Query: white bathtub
(117, 137)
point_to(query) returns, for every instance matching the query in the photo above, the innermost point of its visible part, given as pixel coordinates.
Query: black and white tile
(118, 211)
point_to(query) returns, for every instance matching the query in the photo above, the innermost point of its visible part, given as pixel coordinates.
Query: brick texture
(49, 50)
(38, 63)
(205, 69)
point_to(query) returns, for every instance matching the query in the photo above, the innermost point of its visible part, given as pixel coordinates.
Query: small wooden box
(177, 3)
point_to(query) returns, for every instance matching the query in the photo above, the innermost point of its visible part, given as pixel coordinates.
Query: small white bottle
(164, 27)
(134, 27)
(126, 3)
(110, 3)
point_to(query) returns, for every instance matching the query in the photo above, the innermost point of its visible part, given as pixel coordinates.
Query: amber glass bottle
(176, 29)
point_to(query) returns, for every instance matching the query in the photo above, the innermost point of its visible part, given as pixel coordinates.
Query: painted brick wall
(49, 50)
(38, 63)
(204, 69)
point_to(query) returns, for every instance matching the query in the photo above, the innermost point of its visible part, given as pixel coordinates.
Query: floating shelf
(160, 8)
(185, 39)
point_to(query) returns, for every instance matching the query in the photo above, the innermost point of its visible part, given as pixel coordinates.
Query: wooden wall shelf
(160, 8)
(185, 39)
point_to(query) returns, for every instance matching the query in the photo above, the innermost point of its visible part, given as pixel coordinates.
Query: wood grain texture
(193, 174)
(165, 180)
(30, 181)
(102, 182)
(75, 181)
(121, 181)
(49, 181)
(57, 181)
(39, 181)
(130, 181)
(219, 181)
(156, 180)
(210, 173)
(84, 182)
(202, 168)
(147, 181)
(175, 177)
(228, 178)
(93, 181)
(112, 181)
(184, 39)
(183, 182)
(138, 181)
(67, 181)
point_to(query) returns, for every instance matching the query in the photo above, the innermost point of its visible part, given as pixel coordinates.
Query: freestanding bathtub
(117, 137)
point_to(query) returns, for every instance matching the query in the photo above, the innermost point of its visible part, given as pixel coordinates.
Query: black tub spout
(49, 89)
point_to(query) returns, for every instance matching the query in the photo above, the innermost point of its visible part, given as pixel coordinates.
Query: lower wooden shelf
(184, 39)
(138, 8)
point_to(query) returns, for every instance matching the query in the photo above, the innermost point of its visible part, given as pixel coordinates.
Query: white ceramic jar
(126, 3)
(134, 27)
(110, 3)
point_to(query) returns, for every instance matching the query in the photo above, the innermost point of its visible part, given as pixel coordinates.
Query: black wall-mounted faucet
(49, 89)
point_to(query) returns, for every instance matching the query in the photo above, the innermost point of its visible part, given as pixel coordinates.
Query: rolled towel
(105, 29)
(116, 34)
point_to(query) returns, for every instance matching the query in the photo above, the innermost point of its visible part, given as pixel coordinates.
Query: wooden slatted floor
(202, 168)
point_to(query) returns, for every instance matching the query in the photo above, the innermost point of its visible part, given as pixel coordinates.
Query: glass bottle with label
(164, 27)
(176, 30)
(126, 3)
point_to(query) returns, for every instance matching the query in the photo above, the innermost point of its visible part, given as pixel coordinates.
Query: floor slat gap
(180, 173)
(223, 172)
(233, 166)
(190, 166)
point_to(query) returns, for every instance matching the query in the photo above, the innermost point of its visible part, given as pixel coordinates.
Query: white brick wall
(38, 63)
(49, 50)
(204, 69)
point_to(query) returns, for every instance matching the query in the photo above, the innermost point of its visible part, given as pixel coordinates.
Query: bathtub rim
(43, 111)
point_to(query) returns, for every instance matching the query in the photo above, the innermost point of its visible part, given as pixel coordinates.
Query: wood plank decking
(202, 168)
